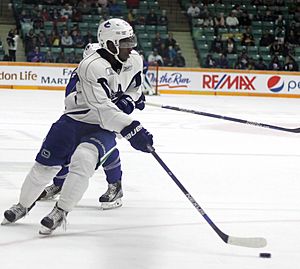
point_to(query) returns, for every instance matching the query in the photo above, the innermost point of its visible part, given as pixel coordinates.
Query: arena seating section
(203, 36)
(89, 23)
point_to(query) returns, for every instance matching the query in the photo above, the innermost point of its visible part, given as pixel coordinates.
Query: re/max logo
(237, 82)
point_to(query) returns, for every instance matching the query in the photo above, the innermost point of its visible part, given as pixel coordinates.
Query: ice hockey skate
(53, 220)
(50, 192)
(112, 197)
(15, 213)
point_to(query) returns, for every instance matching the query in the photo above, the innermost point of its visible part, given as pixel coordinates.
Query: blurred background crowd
(241, 34)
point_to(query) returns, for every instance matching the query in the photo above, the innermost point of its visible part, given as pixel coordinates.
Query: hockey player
(86, 131)
(112, 166)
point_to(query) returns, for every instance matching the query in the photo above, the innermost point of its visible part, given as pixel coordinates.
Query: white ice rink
(246, 178)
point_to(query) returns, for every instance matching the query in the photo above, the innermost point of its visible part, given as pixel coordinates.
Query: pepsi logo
(275, 84)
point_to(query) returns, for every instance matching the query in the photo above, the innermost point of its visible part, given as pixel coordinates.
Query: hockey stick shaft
(255, 242)
(206, 114)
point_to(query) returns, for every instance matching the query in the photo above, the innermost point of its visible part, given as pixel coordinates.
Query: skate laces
(58, 215)
(19, 210)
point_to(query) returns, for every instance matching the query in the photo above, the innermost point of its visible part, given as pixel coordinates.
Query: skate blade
(45, 231)
(49, 198)
(111, 205)
(5, 222)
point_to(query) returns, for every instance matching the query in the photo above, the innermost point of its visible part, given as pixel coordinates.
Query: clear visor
(128, 43)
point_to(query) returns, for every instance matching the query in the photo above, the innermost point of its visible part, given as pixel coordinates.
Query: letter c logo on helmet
(107, 24)
(114, 30)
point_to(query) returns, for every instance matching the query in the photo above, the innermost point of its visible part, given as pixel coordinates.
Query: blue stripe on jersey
(71, 87)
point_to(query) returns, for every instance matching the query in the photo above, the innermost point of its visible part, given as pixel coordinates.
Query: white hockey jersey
(100, 85)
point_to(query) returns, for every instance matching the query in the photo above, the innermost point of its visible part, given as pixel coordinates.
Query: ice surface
(246, 178)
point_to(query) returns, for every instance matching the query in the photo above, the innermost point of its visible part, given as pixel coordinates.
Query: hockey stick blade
(216, 116)
(250, 242)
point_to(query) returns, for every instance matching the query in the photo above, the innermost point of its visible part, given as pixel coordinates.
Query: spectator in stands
(208, 21)
(219, 21)
(239, 64)
(76, 15)
(280, 35)
(163, 19)
(151, 18)
(102, 3)
(28, 41)
(155, 59)
(54, 39)
(55, 15)
(292, 38)
(25, 18)
(267, 39)
(198, 22)
(179, 60)
(66, 39)
(49, 57)
(261, 65)
(170, 41)
(141, 20)
(45, 14)
(232, 21)
(171, 54)
(230, 47)
(245, 20)
(12, 42)
(222, 62)
(61, 58)
(280, 21)
(78, 39)
(133, 3)
(163, 52)
(131, 17)
(89, 38)
(84, 6)
(275, 64)
(269, 16)
(193, 11)
(66, 12)
(237, 10)
(276, 48)
(38, 21)
(242, 61)
(217, 45)
(290, 64)
(35, 55)
(248, 38)
(115, 8)
(42, 39)
(157, 41)
(210, 62)
(256, 2)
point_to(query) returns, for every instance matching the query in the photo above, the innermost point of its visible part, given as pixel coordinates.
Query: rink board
(45, 76)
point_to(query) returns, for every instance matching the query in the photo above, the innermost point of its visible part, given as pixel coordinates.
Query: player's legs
(112, 168)
(54, 189)
(82, 167)
(60, 142)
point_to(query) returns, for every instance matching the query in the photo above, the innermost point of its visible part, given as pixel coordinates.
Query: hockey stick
(290, 130)
(251, 242)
